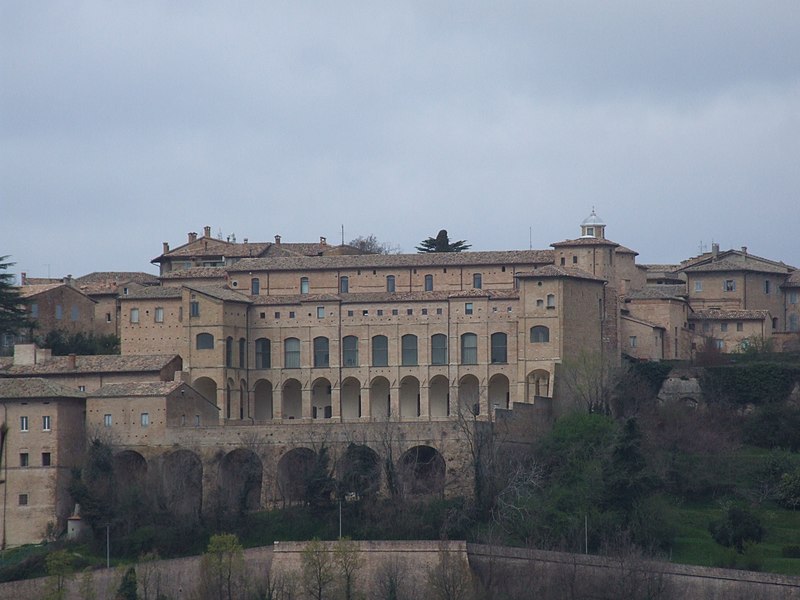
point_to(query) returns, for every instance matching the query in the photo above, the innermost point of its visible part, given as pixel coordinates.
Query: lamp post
(108, 545)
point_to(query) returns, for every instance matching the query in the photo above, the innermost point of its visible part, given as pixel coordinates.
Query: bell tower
(593, 227)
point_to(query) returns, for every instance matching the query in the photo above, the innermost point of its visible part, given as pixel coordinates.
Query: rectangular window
(698, 286)
(125, 290)
(197, 420)
(477, 281)
(159, 314)
(304, 285)
(424, 311)
(719, 344)
(740, 327)
(468, 308)
(34, 310)
(390, 285)
(408, 345)
(365, 313)
(563, 261)
(320, 312)
(574, 260)
(277, 315)
(23, 423)
(379, 312)
(291, 314)
(108, 317)
(134, 315)
(409, 311)
(793, 297)
(691, 326)
(107, 420)
(344, 285)
(81, 388)
(23, 499)
(59, 312)
(45, 459)
(551, 301)
(74, 313)
(23, 459)
(723, 327)
(428, 283)
(706, 327)
(394, 312)
(145, 419)
(255, 286)
(194, 308)
(632, 341)
(46, 423)
(767, 286)
(439, 349)
(729, 285)
(439, 311)
(380, 351)
(349, 313)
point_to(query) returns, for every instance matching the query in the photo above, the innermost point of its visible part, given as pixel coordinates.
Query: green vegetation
(442, 243)
(82, 344)
(13, 315)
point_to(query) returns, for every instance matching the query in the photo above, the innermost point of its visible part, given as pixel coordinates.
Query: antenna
(530, 238)
(342, 234)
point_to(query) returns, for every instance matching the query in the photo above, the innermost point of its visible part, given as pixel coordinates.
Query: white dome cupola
(593, 227)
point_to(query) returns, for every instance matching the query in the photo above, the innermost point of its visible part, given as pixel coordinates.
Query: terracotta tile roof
(155, 291)
(108, 363)
(220, 293)
(108, 282)
(656, 292)
(713, 314)
(660, 268)
(642, 321)
(624, 250)
(364, 261)
(136, 388)
(384, 297)
(792, 281)
(585, 241)
(36, 387)
(213, 248)
(41, 280)
(28, 291)
(196, 273)
(557, 271)
(727, 265)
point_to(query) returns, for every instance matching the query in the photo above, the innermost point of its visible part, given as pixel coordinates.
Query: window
(540, 303)
(321, 352)
(320, 312)
(477, 281)
(563, 261)
(691, 326)
(793, 297)
(767, 286)
(255, 286)
(439, 311)
(124, 291)
(723, 327)
(428, 283)
(706, 327)
(469, 349)
(540, 334)
(468, 308)
(574, 260)
(205, 341)
(719, 344)
(23, 459)
(424, 311)
(229, 351)
(774, 322)
(698, 286)
(395, 312)
(408, 344)
(45, 459)
(74, 313)
(499, 348)
(23, 423)
(409, 311)
(794, 324)
(365, 313)
(134, 315)
(46, 423)
(344, 285)
(59, 312)
(242, 352)
(194, 308)
(729, 285)
(291, 353)
(81, 388)
(551, 301)
(23, 499)
(350, 313)
(34, 310)
(350, 351)
(107, 420)
(304, 285)
(159, 315)
(439, 349)
(291, 314)
(632, 341)
(263, 354)
(590, 231)
(145, 419)
(197, 420)
(740, 327)
(379, 312)
(380, 351)
(390, 283)
(277, 314)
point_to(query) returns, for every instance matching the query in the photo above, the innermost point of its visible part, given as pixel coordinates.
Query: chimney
(714, 250)
(165, 247)
(23, 278)
(323, 240)
(277, 239)
(69, 281)
(207, 231)
(192, 237)
(744, 250)
(72, 361)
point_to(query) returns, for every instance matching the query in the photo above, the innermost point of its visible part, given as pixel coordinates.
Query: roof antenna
(342, 234)
(530, 238)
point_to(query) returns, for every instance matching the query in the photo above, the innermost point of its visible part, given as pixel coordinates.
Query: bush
(790, 552)
(774, 426)
(736, 528)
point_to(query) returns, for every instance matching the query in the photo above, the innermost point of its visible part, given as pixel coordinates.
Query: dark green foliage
(320, 485)
(774, 426)
(13, 314)
(737, 527)
(790, 551)
(752, 383)
(442, 243)
(654, 373)
(788, 492)
(127, 589)
(361, 472)
(82, 344)
(625, 474)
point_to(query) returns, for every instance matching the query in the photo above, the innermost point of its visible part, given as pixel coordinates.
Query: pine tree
(12, 310)
(442, 243)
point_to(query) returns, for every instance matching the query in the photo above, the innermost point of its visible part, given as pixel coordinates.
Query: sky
(127, 124)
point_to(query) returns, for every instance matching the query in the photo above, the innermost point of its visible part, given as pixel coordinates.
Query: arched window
(540, 334)
(774, 322)
(428, 283)
(408, 345)
(390, 283)
(350, 351)
(263, 351)
(551, 300)
(499, 348)
(439, 349)
(229, 352)
(304, 285)
(477, 281)
(344, 284)
(291, 353)
(205, 341)
(380, 351)
(242, 352)
(469, 349)
(321, 352)
(255, 286)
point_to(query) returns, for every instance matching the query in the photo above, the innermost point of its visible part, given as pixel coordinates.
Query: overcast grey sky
(125, 124)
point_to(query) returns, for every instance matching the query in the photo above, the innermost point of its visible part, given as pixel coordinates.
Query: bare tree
(589, 379)
(370, 244)
(450, 578)
(318, 572)
(393, 581)
(348, 560)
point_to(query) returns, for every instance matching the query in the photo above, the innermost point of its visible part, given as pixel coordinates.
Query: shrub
(737, 527)
(790, 552)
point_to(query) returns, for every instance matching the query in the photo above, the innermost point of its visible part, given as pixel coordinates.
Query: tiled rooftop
(728, 315)
(585, 241)
(557, 271)
(658, 292)
(196, 273)
(36, 387)
(139, 388)
(109, 363)
(727, 265)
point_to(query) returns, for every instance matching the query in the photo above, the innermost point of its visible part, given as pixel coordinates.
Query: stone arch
(409, 397)
(130, 476)
(421, 470)
(439, 396)
(499, 391)
(207, 387)
(181, 485)
(292, 405)
(469, 395)
(240, 477)
(294, 468)
(350, 395)
(262, 399)
(379, 396)
(538, 383)
(359, 471)
(321, 406)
